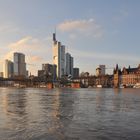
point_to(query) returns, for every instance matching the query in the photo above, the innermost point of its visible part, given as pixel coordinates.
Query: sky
(93, 31)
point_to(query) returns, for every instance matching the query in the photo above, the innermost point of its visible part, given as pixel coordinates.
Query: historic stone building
(130, 76)
(127, 77)
(117, 76)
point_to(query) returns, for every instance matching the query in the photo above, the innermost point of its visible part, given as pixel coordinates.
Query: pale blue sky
(94, 31)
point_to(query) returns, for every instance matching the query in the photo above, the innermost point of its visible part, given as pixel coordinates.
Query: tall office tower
(75, 72)
(69, 64)
(58, 57)
(67, 70)
(8, 69)
(49, 69)
(102, 67)
(19, 64)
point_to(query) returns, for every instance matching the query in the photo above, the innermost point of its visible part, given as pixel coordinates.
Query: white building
(8, 69)
(19, 64)
(98, 71)
(69, 64)
(58, 57)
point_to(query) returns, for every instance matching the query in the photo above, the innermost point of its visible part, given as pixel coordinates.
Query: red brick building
(130, 76)
(127, 77)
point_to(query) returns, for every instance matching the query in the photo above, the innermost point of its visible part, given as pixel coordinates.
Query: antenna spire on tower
(54, 35)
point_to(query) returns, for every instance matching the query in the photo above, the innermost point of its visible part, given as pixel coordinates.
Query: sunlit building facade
(127, 77)
(130, 76)
(59, 57)
(98, 72)
(8, 69)
(117, 76)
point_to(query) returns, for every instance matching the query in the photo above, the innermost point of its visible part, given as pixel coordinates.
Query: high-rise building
(69, 64)
(58, 57)
(75, 72)
(67, 69)
(48, 72)
(98, 71)
(50, 69)
(102, 67)
(8, 69)
(19, 64)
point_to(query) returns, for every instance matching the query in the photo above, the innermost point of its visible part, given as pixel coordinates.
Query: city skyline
(15, 68)
(95, 32)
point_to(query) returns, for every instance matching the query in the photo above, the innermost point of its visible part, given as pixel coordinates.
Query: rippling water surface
(69, 114)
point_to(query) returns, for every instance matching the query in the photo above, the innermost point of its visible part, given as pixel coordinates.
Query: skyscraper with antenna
(58, 56)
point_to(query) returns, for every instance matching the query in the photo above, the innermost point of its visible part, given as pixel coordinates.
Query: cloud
(84, 27)
(35, 58)
(30, 45)
(9, 55)
(26, 44)
(20, 43)
(37, 51)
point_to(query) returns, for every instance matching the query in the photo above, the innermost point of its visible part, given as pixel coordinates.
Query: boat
(137, 85)
(17, 85)
(122, 86)
(99, 86)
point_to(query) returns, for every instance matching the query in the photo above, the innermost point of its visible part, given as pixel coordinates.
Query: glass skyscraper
(19, 64)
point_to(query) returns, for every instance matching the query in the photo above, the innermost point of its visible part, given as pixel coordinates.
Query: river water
(69, 114)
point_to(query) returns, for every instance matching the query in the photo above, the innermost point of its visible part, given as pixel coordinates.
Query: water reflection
(13, 112)
(15, 104)
(50, 104)
(61, 114)
(58, 112)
